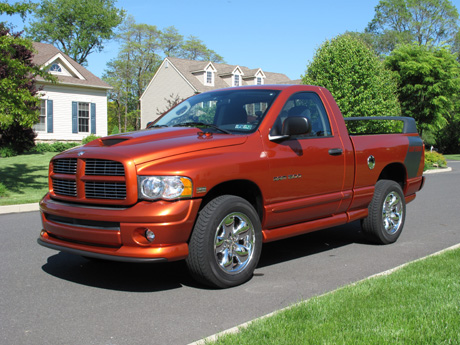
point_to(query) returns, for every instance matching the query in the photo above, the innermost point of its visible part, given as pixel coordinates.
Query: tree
(77, 28)
(21, 8)
(171, 41)
(131, 71)
(195, 49)
(142, 49)
(433, 22)
(19, 101)
(429, 84)
(357, 79)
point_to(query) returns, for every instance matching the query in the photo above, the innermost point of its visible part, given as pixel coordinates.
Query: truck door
(306, 172)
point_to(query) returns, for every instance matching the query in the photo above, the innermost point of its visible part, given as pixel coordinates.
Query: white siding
(166, 82)
(62, 97)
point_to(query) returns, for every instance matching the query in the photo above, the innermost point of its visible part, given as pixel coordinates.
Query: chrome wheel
(234, 243)
(392, 213)
(387, 212)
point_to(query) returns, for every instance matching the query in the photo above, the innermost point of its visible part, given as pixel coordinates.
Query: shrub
(54, 147)
(434, 159)
(3, 190)
(89, 138)
(7, 151)
(17, 138)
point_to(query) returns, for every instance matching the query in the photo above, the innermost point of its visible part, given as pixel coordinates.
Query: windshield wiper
(202, 124)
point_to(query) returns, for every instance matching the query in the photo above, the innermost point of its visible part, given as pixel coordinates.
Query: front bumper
(118, 233)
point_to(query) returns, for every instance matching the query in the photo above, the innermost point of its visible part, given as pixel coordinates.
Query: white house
(75, 106)
(177, 79)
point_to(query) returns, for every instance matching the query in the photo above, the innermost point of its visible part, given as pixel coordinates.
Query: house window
(259, 81)
(209, 79)
(41, 125)
(236, 80)
(55, 68)
(83, 117)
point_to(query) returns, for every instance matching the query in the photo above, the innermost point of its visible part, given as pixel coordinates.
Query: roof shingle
(46, 52)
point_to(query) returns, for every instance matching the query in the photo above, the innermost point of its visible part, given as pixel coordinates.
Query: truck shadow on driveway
(312, 243)
(132, 277)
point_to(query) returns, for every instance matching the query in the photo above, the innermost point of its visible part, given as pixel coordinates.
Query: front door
(307, 172)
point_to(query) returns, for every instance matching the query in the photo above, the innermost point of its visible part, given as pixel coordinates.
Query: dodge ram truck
(222, 173)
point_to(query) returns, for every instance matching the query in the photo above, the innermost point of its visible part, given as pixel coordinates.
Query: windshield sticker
(248, 127)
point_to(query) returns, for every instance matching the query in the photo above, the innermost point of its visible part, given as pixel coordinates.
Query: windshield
(229, 111)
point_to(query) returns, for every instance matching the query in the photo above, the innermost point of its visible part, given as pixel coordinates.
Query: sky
(274, 35)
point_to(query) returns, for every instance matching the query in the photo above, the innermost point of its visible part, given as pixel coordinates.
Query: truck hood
(152, 144)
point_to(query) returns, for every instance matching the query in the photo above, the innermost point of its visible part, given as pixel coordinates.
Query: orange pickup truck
(225, 171)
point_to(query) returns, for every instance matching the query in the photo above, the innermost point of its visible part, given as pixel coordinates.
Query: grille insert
(105, 190)
(103, 167)
(65, 166)
(65, 187)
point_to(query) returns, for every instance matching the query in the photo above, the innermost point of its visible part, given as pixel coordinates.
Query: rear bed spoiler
(409, 122)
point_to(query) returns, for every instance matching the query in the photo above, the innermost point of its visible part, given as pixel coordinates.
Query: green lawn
(24, 177)
(418, 304)
(455, 157)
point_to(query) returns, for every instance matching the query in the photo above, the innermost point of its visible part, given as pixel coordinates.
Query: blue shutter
(93, 118)
(49, 116)
(74, 117)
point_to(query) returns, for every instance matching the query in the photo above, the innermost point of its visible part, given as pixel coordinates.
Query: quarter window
(83, 117)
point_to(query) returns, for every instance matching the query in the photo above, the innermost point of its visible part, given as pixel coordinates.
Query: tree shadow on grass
(20, 177)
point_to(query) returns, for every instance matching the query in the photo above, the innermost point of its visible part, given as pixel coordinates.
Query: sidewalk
(19, 208)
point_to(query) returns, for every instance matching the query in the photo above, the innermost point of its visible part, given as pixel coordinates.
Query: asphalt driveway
(49, 297)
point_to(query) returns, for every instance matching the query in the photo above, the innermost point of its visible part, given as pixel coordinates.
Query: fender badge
(81, 153)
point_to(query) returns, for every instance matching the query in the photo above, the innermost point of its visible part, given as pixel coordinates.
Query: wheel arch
(395, 172)
(245, 189)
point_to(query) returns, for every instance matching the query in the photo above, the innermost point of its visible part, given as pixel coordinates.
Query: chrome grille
(105, 190)
(103, 167)
(65, 166)
(65, 187)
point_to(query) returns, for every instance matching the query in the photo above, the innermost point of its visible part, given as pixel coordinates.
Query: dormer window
(55, 68)
(236, 80)
(209, 78)
(258, 81)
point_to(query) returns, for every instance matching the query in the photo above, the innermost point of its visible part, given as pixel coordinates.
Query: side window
(309, 105)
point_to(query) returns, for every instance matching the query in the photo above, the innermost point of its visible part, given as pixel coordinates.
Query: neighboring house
(75, 106)
(179, 79)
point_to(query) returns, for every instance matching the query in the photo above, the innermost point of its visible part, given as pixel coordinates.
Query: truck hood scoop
(112, 141)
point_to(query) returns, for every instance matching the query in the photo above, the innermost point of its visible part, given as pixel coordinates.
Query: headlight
(164, 187)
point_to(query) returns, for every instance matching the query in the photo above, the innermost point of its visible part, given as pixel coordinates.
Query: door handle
(335, 152)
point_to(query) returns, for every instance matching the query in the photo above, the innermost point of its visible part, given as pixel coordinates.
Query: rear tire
(226, 242)
(387, 213)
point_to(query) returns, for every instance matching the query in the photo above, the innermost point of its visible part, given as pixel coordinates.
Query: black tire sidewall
(373, 224)
(211, 273)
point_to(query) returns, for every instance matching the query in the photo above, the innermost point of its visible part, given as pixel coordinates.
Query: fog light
(149, 235)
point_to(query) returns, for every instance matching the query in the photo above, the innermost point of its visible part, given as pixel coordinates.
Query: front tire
(226, 242)
(387, 213)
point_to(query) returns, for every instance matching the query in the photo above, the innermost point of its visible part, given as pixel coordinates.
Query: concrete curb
(437, 171)
(19, 208)
(246, 324)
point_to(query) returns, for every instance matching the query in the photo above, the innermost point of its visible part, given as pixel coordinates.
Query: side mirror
(296, 125)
